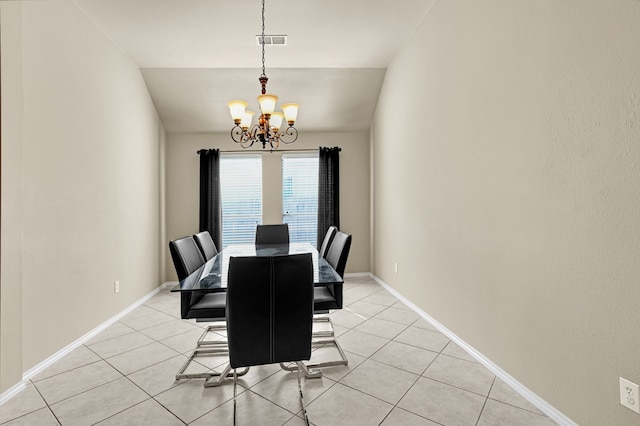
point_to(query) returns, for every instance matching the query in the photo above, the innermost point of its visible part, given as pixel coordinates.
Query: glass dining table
(212, 276)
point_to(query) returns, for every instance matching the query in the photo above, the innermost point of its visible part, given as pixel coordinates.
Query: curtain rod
(265, 151)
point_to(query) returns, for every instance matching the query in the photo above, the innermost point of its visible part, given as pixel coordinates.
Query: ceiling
(195, 55)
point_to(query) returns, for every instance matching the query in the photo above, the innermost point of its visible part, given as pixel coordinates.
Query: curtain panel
(328, 190)
(210, 208)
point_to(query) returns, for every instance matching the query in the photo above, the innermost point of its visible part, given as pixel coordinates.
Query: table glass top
(212, 276)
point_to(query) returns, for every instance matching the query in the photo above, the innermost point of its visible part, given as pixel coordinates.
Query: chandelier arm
(249, 138)
(242, 137)
(290, 135)
(253, 132)
(247, 144)
(237, 134)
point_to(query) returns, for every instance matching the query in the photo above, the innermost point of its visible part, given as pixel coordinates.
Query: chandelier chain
(263, 67)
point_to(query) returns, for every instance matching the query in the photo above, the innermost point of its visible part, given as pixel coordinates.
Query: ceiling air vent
(272, 40)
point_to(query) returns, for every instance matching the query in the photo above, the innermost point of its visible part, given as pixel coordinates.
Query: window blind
(300, 196)
(241, 198)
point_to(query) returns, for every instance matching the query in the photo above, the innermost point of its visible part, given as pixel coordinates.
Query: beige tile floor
(401, 371)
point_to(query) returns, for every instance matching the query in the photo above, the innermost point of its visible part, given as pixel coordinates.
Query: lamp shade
(267, 103)
(236, 109)
(276, 120)
(247, 117)
(290, 112)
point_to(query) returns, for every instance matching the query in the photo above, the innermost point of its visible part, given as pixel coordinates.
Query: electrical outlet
(629, 395)
(116, 287)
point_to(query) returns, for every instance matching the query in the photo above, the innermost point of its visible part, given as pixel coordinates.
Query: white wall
(519, 192)
(182, 174)
(90, 182)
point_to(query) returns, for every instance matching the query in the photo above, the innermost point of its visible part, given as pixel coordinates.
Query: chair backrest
(339, 252)
(205, 244)
(269, 309)
(186, 256)
(272, 234)
(328, 238)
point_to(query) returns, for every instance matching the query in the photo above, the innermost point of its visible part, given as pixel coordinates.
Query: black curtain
(210, 210)
(328, 191)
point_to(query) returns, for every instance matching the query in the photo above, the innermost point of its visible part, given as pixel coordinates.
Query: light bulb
(236, 109)
(276, 120)
(247, 117)
(267, 103)
(290, 112)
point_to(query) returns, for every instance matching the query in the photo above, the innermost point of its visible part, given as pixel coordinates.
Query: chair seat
(322, 295)
(210, 305)
(324, 299)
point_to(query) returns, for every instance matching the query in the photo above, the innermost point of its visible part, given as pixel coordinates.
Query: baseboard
(27, 375)
(358, 275)
(12, 391)
(526, 393)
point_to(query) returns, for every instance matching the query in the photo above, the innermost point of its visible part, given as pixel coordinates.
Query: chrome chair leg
(308, 372)
(321, 318)
(343, 357)
(301, 366)
(330, 334)
(202, 347)
(215, 381)
(235, 386)
(212, 328)
(180, 375)
(206, 375)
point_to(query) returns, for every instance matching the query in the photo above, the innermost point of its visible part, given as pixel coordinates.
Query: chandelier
(267, 130)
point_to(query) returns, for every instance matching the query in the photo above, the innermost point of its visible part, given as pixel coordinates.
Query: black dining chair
(199, 305)
(186, 256)
(269, 313)
(326, 242)
(272, 234)
(329, 297)
(205, 244)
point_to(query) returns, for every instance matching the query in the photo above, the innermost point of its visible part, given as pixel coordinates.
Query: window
(300, 196)
(241, 198)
